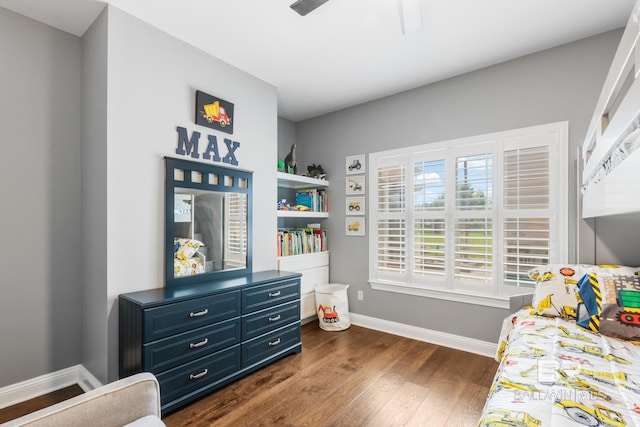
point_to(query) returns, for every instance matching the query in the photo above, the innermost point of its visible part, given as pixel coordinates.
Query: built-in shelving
(314, 266)
(299, 182)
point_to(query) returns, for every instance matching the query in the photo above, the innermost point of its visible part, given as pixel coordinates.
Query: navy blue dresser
(198, 338)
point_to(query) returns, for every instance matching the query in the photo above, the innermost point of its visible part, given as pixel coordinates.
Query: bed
(570, 359)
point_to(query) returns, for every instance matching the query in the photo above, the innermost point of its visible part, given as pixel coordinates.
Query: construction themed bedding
(555, 373)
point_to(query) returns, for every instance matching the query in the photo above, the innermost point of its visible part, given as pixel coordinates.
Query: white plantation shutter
(473, 248)
(527, 224)
(526, 245)
(429, 225)
(474, 182)
(391, 224)
(466, 220)
(391, 245)
(429, 247)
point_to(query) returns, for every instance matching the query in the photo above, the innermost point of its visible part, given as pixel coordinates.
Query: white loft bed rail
(611, 150)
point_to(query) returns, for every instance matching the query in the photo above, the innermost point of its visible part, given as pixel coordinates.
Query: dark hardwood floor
(358, 377)
(12, 412)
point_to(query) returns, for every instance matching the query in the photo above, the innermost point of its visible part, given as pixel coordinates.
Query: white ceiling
(351, 51)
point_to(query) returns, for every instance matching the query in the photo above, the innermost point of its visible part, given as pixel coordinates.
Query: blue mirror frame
(185, 174)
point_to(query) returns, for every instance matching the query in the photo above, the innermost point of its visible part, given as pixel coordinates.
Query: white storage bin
(333, 307)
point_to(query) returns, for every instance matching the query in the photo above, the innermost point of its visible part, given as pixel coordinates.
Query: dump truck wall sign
(189, 146)
(213, 112)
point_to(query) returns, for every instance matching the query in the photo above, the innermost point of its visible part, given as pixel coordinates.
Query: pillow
(186, 248)
(610, 305)
(557, 288)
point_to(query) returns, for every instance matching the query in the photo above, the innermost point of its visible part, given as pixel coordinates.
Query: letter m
(188, 146)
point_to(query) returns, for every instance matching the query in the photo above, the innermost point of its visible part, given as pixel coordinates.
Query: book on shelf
(315, 199)
(298, 241)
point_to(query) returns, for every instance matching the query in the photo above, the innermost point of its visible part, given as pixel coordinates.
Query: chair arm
(114, 404)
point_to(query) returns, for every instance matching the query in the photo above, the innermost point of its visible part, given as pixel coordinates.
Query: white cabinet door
(315, 272)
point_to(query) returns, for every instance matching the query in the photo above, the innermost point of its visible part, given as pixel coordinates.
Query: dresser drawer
(265, 296)
(187, 346)
(264, 321)
(265, 346)
(180, 381)
(161, 322)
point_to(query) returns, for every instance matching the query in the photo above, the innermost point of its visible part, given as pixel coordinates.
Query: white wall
(151, 83)
(40, 212)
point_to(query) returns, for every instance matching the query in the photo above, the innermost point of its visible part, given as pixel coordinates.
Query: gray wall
(40, 256)
(286, 137)
(617, 239)
(554, 85)
(151, 83)
(86, 124)
(94, 197)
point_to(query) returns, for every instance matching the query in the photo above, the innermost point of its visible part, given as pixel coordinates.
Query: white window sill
(497, 301)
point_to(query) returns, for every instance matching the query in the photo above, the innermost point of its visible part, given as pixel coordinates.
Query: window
(235, 216)
(466, 219)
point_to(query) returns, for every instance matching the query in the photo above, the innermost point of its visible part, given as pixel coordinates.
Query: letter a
(212, 148)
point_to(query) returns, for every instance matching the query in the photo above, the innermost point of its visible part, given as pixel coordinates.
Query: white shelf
(304, 261)
(302, 214)
(289, 180)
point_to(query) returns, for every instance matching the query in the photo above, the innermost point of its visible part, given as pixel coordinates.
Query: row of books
(301, 241)
(316, 200)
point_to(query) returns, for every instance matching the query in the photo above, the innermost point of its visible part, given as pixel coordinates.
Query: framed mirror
(208, 222)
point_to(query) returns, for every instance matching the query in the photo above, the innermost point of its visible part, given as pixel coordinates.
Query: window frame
(496, 293)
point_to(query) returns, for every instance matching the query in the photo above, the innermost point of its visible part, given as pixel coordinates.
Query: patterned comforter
(555, 373)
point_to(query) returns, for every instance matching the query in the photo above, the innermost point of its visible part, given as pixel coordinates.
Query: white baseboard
(458, 342)
(28, 389)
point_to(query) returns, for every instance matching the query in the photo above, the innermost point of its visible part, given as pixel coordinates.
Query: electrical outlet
(360, 295)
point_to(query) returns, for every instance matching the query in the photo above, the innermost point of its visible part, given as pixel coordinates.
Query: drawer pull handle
(200, 375)
(275, 319)
(199, 313)
(199, 344)
(274, 294)
(274, 343)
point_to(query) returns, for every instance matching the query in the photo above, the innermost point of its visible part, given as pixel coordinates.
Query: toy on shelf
(316, 172)
(290, 165)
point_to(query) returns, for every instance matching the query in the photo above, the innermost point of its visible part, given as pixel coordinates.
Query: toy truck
(329, 313)
(502, 417)
(215, 113)
(355, 165)
(597, 416)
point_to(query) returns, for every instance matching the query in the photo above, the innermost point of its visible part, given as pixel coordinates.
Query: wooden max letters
(189, 147)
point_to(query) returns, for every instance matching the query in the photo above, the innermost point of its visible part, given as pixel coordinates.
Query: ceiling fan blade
(305, 6)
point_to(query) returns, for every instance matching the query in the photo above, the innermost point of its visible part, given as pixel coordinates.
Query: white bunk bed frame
(611, 150)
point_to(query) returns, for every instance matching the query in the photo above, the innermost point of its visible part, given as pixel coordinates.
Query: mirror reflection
(210, 231)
